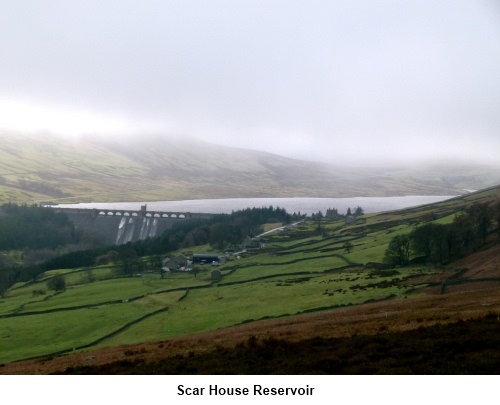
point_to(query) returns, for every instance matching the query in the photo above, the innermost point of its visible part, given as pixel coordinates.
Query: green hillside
(43, 167)
(305, 268)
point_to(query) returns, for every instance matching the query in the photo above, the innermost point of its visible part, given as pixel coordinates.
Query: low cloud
(348, 82)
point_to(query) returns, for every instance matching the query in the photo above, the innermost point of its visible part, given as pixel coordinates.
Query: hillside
(372, 338)
(43, 167)
(369, 339)
(304, 288)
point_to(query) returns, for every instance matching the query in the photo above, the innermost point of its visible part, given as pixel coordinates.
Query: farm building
(205, 258)
(181, 260)
(177, 263)
(169, 263)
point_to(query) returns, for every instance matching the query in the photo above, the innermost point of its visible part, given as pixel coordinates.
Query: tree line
(38, 234)
(44, 236)
(34, 227)
(223, 230)
(472, 229)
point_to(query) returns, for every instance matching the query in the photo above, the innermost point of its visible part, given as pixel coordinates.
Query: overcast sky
(351, 81)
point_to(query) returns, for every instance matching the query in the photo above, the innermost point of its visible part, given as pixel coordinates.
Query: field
(303, 284)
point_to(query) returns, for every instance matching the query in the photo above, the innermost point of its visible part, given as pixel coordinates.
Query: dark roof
(205, 256)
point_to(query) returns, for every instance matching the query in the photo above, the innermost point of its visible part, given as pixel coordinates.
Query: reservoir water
(302, 205)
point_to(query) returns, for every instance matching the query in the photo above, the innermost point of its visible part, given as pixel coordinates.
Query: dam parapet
(118, 226)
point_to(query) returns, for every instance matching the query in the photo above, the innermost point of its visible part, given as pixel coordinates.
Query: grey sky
(349, 81)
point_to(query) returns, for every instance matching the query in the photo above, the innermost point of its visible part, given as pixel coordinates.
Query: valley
(319, 279)
(206, 191)
(45, 168)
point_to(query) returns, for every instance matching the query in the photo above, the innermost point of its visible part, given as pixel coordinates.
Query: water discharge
(121, 230)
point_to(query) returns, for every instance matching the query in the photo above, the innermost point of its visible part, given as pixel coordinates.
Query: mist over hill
(45, 167)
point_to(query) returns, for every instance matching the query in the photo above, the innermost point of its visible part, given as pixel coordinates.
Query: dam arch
(119, 226)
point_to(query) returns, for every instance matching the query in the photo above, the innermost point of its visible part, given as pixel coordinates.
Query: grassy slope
(300, 271)
(159, 168)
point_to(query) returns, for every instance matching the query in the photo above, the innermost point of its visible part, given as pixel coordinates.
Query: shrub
(36, 293)
(57, 283)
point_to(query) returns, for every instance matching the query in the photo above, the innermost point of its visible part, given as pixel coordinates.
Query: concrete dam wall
(119, 226)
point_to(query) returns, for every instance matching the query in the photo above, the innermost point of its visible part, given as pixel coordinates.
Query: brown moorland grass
(482, 264)
(382, 318)
(471, 347)
(463, 347)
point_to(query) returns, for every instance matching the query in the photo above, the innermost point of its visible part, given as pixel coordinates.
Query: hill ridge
(44, 167)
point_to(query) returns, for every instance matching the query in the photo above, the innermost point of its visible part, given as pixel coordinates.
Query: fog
(344, 82)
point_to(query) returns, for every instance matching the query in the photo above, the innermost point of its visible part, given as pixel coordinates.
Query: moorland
(48, 168)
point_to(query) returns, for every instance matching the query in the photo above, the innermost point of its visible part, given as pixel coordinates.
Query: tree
(398, 251)
(358, 211)
(348, 247)
(4, 282)
(442, 243)
(318, 218)
(465, 233)
(195, 237)
(128, 262)
(349, 212)
(57, 283)
(88, 276)
(482, 216)
(195, 270)
(332, 214)
(424, 240)
(496, 212)
(432, 241)
(221, 234)
(23, 226)
(6, 263)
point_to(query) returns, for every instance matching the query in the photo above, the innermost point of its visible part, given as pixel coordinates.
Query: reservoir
(292, 205)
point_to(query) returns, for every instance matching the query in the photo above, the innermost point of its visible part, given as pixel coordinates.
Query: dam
(118, 226)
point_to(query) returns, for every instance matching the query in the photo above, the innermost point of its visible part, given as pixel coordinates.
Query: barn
(205, 258)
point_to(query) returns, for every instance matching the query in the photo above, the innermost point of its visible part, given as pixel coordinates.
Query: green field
(299, 270)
